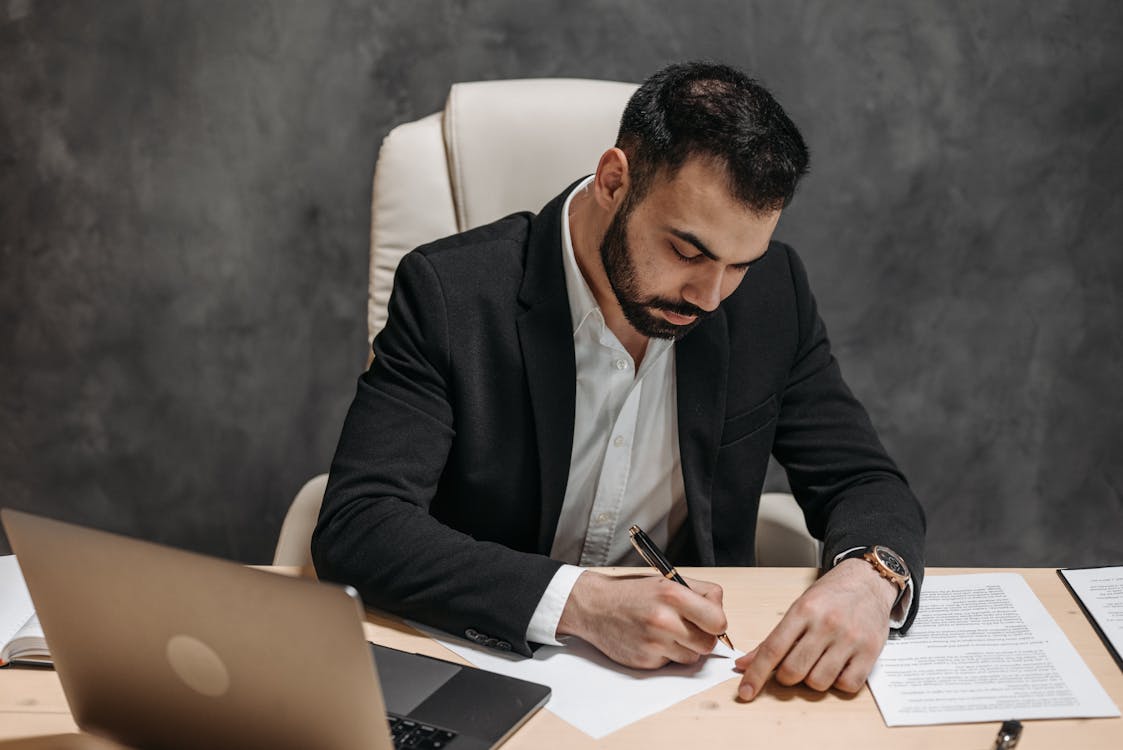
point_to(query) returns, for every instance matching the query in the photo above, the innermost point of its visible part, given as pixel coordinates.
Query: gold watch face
(890, 560)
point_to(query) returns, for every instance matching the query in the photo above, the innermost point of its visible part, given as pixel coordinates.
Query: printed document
(592, 692)
(983, 648)
(1100, 593)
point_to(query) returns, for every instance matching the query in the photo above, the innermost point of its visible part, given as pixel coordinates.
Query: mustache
(678, 308)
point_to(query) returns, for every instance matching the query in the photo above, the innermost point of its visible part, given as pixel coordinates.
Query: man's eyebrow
(696, 242)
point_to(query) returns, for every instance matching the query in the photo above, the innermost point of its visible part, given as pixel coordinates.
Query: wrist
(575, 614)
(887, 565)
(890, 590)
(885, 590)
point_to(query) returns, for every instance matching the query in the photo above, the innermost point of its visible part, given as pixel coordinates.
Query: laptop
(160, 648)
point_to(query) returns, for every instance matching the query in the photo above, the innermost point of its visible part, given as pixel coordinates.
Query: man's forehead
(697, 181)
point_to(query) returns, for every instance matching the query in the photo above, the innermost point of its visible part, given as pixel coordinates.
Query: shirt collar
(582, 304)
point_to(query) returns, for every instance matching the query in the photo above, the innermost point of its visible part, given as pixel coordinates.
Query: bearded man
(633, 354)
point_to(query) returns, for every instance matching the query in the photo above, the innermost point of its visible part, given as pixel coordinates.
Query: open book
(21, 637)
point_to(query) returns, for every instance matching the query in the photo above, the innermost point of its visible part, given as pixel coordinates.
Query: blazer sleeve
(851, 492)
(375, 531)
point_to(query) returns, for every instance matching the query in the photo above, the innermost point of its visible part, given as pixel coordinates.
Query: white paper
(983, 648)
(593, 693)
(1101, 592)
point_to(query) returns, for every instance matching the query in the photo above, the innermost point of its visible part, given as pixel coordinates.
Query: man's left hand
(830, 637)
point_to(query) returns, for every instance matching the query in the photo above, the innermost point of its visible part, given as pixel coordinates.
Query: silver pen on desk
(654, 557)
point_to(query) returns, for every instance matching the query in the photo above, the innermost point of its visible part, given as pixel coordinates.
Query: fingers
(825, 673)
(709, 590)
(831, 671)
(697, 640)
(799, 661)
(830, 637)
(654, 655)
(700, 606)
(759, 664)
(681, 654)
(854, 676)
(743, 661)
(679, 618)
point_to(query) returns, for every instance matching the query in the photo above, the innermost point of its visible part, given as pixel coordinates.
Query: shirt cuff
(543, 625)
(900, 613)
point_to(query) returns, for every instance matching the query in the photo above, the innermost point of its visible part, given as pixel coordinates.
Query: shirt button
(602, 518)
(618, 441)
(621, 364)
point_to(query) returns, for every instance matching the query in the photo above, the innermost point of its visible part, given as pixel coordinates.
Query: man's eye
(684, 258)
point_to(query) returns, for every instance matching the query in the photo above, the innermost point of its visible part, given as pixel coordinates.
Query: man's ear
(612, 180)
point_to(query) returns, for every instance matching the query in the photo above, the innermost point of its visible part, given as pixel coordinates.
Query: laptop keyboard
(414, 735)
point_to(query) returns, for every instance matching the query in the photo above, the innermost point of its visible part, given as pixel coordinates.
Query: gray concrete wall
(184, 191)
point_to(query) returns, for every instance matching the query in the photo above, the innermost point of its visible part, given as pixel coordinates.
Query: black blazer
(449, 476)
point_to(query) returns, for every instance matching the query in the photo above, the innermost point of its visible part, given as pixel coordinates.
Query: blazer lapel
(546, 338)
(701, 373)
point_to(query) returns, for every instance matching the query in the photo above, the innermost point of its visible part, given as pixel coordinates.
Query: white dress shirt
(625, 467)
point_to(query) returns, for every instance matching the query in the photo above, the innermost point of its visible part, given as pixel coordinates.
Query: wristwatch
(888, 564)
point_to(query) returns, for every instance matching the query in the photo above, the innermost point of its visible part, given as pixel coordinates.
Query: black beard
(621, 272)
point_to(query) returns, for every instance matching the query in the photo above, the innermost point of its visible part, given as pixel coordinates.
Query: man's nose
(704, 289)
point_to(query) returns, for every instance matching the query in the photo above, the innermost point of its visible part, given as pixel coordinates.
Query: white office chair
(498, 147)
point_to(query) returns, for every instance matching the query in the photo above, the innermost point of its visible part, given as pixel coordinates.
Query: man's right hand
(644, 621)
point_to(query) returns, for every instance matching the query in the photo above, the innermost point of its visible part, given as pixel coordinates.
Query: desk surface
(32, 703)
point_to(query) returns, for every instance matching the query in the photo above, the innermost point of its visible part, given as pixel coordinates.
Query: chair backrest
(782, 539)
(498, 147)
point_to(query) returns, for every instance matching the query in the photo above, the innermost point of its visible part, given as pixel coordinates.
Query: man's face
(684, 247)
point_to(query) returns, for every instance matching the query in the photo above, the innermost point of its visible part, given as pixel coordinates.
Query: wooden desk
(31, 701)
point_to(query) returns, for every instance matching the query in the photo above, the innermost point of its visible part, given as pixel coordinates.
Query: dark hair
(713, 111)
